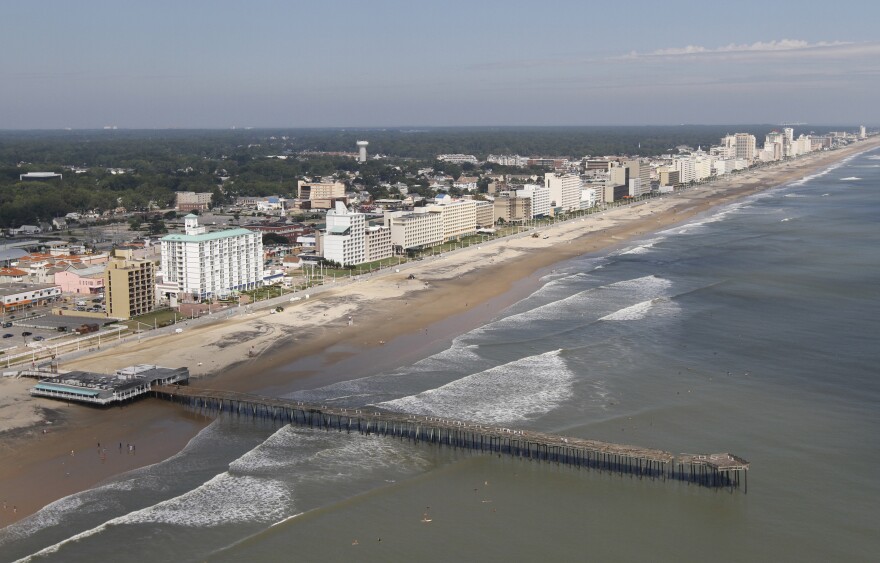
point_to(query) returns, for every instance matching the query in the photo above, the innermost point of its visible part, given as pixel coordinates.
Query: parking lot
(40, 329)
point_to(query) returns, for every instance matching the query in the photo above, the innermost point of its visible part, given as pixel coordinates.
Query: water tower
(362, 150)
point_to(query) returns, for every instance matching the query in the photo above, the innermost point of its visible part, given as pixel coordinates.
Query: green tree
(274, 239)
(157, 226)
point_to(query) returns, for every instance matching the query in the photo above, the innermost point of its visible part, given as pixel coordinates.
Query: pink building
(79, 279)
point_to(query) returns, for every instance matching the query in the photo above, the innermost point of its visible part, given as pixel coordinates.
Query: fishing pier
(708, 470)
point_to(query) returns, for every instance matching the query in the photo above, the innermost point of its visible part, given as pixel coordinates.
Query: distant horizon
(415, 128)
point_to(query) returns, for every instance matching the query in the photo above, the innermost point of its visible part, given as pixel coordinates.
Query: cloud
(763, 49)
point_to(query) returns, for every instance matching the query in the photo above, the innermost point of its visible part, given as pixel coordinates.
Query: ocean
(753, 329)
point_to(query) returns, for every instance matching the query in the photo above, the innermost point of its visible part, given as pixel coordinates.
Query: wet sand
(394, 321)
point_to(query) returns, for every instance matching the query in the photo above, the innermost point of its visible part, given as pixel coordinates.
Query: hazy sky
(274, 63)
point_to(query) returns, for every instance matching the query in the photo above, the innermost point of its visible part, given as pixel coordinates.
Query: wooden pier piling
(717, 471)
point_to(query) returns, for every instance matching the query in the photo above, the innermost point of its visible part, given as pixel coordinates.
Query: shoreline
(396, 321)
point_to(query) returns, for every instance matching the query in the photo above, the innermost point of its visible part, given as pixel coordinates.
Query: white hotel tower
(203, 264)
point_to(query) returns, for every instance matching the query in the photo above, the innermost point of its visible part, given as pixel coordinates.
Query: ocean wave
(830, 168)
(225, 499)
(718, 215)
(643, 248)
(574, 306)
(849, 179)
(641, 310)
(96, 499)
(303, 454)
(459, 356)
(517, 391)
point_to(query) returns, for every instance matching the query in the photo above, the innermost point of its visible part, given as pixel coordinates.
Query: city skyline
(390, 63)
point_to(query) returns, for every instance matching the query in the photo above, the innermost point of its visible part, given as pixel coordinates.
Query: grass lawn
(156, 318)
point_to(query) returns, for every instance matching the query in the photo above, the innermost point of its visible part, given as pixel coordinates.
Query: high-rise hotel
(202, 264)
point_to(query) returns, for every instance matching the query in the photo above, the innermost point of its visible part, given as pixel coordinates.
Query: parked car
(7, 335)
(7, 324)
(26, 333)
(38, 337)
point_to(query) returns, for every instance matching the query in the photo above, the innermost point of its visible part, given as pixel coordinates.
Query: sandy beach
(50, 449)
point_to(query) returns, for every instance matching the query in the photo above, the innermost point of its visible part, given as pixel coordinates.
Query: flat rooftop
(102, 389)
(16, 288)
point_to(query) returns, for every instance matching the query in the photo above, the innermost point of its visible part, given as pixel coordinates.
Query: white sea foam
(832, 167)
(641, 310)
(50, 515)
(785, 220)
(718, 215)
(643, 248)
(556, 281)
(235, 496)
(850, 179)
(517, 391)
(305, 455)
(557, 277)
(96, 499)
(458, 356)
(578, 305)
(225, 499)
(359, 456)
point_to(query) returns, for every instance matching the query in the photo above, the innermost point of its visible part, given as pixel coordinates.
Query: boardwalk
(710, 470)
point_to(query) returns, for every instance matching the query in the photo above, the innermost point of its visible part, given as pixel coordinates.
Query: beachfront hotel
(458, 217)
(129, 285)
(414, 230)
(513, 208)
(344, 241)
(203, 264)
(565, 191)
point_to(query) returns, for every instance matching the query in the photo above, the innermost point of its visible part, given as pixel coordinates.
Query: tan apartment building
(378, 243)
(193, 201)
(320, 195)
(414, 230)
(459, 217)
(513, 209)
(129, 285)
(319, 190)
(485, 213)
